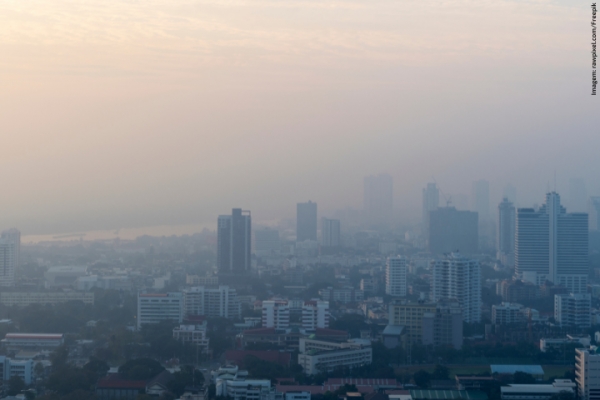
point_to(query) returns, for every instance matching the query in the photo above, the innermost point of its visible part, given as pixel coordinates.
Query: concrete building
(330, 232)
(552, 245)
(444, 326)
(196, 280)
(573, 310)
(431, 201)
(451, 230)
(306, 221)
(537, 391)
(369, 285)
(266, 241)
(115, 282)
(559, 343)
(156, 307)
(13, 235)
(275, 314)
(315, 315)
(15, 341)
(23, 299)
(456, 277)
(587, 373)
(234, 242)
(410, 316)
(211, 302)
(378, 201)
(395, 276)
(245, 389)
(505, 246)
(8, 259)
(21, 368)
(507, 313)
(64, 276)
(516, 291)
(193, 334)
(319, 355)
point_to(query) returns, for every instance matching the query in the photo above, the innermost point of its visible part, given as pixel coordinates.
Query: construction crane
(447, 198)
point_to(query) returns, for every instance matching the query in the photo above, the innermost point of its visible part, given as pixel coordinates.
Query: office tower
(510, 192)
(587, 373)
(306, 221)
(457, 277)
(551, 244)
(330, 232)
(395, 276)
(211, 302)
(379, 201)
(410, 316)
(573, 310)
(594, 213)
(444, 326)
(275, 314)
(7, 263)
(13, 235)
(315, 315)
(266, 241)
(451, 230)
(506, 233)
(480, 199)
(431, 201)
(577, 195)
(234, 242)
(156, 307)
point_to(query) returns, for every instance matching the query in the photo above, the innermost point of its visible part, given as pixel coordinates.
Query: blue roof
(511, 369)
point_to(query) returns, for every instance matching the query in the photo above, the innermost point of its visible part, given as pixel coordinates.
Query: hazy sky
(140, 113)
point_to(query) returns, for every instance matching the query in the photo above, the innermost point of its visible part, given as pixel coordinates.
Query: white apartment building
(573, 310)
(275, 314)
(245, 389)
(8, 262)
(211, 302)
(315, 314)
(395, 276)
(587, 373)
(318, 355)
(456, 277)
(193, 334)
(156, 307)
(21, 368)
(507, 313)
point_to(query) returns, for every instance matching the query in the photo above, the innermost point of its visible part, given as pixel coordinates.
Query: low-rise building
(193, 334)
(32, 340)
(535, 391)
(21, 368)
(507, 313)
(156, 307)
(319, 355)
(558, 343)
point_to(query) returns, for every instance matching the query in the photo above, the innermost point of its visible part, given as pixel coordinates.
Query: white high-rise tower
(395, 276)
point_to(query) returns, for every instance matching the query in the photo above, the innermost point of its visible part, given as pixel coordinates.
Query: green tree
(422, 378)
(15, 385)
(523, 377)
(440, 373)
(140, 369)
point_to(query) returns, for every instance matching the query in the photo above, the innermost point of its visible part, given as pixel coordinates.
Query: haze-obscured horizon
(127, 114)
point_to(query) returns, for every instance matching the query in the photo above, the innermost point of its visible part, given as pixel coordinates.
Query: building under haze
(480, 199)
(330, 232)
(552, 245)
(378, 201)
(431, 201)
(156, 307)
(13, 235)
(234, 233)
(266, 241)
(505, 244)
(451, 230)
(395, 276)
(306, 221)
(594, 213)
(7, 263)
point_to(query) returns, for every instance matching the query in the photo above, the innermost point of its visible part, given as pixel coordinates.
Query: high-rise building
(573, 310)
(330, 232)
(211, 302)
(7, 263)
(395, 276)
(13, 235)
(431, 201)
(444, 326)
(379, 201)
(459, 278)
(587, 373)
(275, 314)
(234, 242)
(506, 233)
(266, 241)
(551, 244)
(410, 316)
(306, 221)
(156, 307)
(451, 230)
(480, 199)
(315, 314)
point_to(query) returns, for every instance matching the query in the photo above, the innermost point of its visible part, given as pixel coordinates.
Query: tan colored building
(410, 316)
(22, 299)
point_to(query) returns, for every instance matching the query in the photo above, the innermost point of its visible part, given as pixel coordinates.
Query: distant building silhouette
(306, 221)
(451, 230)
(234, 242)
(330, 232)
(13, 235)
(379, 201)
(431, 201)
(480, 199)
(505, 247)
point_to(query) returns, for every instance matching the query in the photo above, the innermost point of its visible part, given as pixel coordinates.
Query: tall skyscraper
(552, 245)
(13, 235)
(451, 230)
(379, 201)
(306, 221)
(234, 238)
(480, 199)
(460, 278)
(506, 233)
(431, 201)
(7, 263)
(330, 232)
(395, 276)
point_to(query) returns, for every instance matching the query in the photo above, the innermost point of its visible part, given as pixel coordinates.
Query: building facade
(330, 232)
(395, 276)
(444, 326)
(156, 307)
(410, 316)
(275, 314)
(234, 242)
(306, 221)
(587, 373)
(573, 310)
(505, 246)
(451, 230)
(211, 302)
(8, 259)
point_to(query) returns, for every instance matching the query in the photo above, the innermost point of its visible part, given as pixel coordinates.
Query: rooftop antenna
(554, 180)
